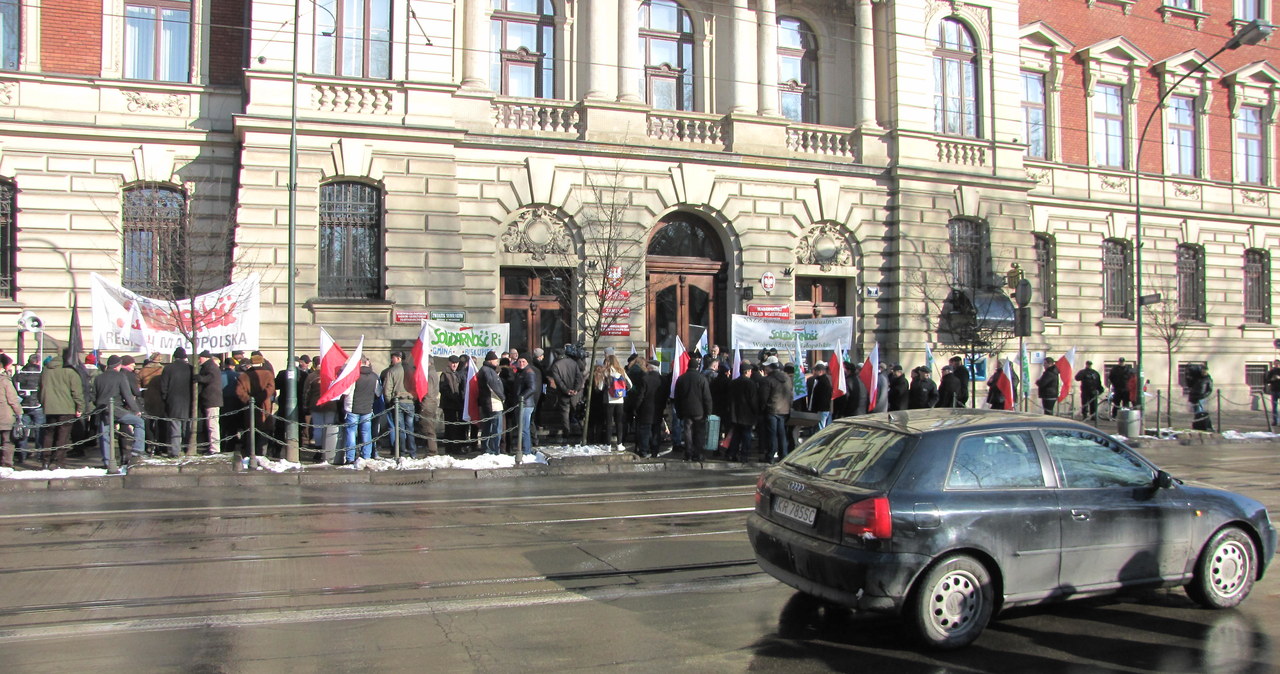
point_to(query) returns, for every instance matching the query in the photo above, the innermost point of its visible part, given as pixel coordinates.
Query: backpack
(618, 388)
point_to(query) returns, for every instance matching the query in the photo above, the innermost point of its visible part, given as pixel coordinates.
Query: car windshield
(856, 456)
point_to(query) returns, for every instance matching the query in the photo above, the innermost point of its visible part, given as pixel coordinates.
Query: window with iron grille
(1257, 286)
(522, 33)
(968, 253)
(350, 241)
(955, 81)
(1117, 279)
(353, 38)
(8, 240)
(1190, 282)
(666, 41)
(797, 70)
(1047, 273)
(155, 224)
(1255, 375)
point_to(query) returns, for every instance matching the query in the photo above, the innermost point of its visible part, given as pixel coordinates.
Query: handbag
(19, 431)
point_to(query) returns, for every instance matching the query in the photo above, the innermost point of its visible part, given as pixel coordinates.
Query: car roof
(920, 422)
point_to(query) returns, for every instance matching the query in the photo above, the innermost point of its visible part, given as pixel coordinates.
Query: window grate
(155, 222)
(1117, 279)
(350, 241)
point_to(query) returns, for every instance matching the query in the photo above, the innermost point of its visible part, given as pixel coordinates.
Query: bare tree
(1163, 321)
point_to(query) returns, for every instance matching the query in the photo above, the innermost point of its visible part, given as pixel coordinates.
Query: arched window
(1257, 286)
(155, 224)
(353, 38)
(686, 235)
(523, 35)
(797, 70)
(1117, 279)
(969, 260)
(1190, 282)
(666, 41)
(955, 81)
(8, 239)
(350, 241)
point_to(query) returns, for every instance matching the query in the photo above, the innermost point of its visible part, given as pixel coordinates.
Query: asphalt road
(638, 572)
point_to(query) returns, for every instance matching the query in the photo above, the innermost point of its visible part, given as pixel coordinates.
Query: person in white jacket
(612, 382)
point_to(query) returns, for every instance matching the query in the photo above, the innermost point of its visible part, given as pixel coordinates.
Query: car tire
(951, 603)
(1226, 570)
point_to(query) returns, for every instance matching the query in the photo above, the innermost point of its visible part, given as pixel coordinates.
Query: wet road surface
(648, 572)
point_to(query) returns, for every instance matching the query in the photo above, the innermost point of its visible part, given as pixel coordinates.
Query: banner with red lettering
(224, 320)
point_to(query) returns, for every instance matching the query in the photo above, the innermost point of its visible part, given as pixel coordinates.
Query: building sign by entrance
(768, 281)
(769, 310)
(434, 315)
(616, 329)
(615, 295)
(613, 276)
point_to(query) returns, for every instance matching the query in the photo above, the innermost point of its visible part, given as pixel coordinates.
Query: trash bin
(713, 433)
(1130, 423)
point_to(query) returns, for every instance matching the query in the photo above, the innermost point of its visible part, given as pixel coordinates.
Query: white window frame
(1199, 88)
(1118, 62)
(1044, 50)
(1255, 85)
(113, 29)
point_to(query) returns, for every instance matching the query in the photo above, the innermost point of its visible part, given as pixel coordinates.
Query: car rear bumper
(860, 579)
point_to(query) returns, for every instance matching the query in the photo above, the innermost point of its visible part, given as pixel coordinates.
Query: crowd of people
(53, 406)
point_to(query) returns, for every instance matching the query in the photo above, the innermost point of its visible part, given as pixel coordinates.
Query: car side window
(1088, 461)
(1005, 460)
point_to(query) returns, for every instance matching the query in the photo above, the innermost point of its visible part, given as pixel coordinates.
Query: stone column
(767, 48)
(630, 71)
(475, 58)
(865, 66)
(744, 71)
(602, 53)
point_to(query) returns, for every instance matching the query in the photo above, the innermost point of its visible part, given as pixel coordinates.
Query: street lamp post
(1252, 33)
(291, 404)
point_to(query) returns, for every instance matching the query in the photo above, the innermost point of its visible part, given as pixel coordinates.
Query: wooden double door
(685, 296)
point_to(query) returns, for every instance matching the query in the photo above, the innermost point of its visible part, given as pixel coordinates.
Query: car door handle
(1080, 515)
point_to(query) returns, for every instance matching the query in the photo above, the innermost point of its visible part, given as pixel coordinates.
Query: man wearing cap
(62, 396)
(744, 412)
(777, 394)
(283, 391)
(650, 405)
(175, 386)
(27, 381)
(819, 398)
(210, 379)
(565, 379)
(451, 400)
(401, 406)
(492, 395)
(112, 389)
(256, 385)
(529, 390)
(899, 389)
(693, 404)
(359, 406)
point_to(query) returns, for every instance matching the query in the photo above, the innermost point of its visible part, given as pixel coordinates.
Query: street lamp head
(1252, 33)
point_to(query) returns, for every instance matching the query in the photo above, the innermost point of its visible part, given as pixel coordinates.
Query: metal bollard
(399, 434)
(113, 465)
(1219, 401)
(253, 431)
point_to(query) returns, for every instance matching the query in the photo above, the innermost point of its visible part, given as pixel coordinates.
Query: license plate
(795, 511)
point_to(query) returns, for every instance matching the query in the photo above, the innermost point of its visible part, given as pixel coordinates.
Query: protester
(401, 406)
(359, 407)
(612, 384)
(257, 387)
(1090, 391)
(175, 386)
(1049, 386)
(923, 393)
(693, 403)
(62, 396)
(10, 411)
(1199, 385)
(209, 379)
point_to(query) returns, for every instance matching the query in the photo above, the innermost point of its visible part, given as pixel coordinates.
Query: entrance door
(676, 302)
(686, 283)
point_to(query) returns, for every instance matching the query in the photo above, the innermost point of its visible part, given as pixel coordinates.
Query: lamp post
(1252, 33)
(291, 404)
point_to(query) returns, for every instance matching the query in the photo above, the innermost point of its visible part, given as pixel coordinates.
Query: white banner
(474, 339)
(224, 320)
(813, 334)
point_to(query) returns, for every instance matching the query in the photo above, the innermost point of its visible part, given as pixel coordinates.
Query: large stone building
(891, 161)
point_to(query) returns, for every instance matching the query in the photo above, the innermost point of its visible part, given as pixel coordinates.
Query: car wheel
(951, 603)
(1225, 571)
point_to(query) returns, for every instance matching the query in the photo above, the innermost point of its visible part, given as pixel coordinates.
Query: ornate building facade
(892, 161)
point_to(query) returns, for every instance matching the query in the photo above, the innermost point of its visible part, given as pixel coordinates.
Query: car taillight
(869, 519)
(759, 490)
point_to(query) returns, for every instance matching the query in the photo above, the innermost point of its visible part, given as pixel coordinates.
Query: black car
(948, 516)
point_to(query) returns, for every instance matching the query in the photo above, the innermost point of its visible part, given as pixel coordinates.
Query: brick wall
(228, 36)
(1145, 27)
(71, 37)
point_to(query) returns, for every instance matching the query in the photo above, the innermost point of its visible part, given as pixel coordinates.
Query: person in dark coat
(359, 406)
(899, 389)
(491, 397)
(1199, 385)
(1118, 378)
(962, 374)
(565, 382)
(233, 423)
(693, 404)
(1048, 386)
(257, 384)
(451, 400)
(995, 396)
(949, 388)
(923, 393)
(719, 384)
(776, 393)
(210, 396)
(819, 396)
(112, 389)
(529, 392)
(175, 386)
(1090, 390)
(651, 403)
(745, 406)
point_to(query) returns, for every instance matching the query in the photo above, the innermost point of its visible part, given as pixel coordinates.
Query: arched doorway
(686, 282)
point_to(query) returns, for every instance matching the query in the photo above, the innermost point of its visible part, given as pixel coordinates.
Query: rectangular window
(1255, 375)
(350, 241)
(157, 41)
(1247, 10)
(1033, 114)
(1249, 155)
(1108, 126)
(1257, 286)
(353, 38)
(1183, 142)
(1047, 274)
(968, 254)
(1180, 4)
(1117, 279)
(8, 240)
(1190, 270)
(10, 34)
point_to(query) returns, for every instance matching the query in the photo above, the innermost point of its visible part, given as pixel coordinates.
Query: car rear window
(863, 457)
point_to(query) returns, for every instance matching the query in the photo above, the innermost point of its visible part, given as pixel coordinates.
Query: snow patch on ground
(1252, 435)
(10, 473)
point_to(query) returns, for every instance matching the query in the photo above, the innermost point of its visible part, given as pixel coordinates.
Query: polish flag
(737, 363)
(420, 355)
(346, 379)
(471, 394)
(332, 358)
(679, 363)
(870, 375)
(836, 368)
(1066, 372)
(1004, 382)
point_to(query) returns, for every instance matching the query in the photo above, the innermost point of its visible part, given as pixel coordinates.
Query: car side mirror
(1163, 480)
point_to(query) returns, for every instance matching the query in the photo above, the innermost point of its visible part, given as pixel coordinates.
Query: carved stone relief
(539, 232)
(825, 245)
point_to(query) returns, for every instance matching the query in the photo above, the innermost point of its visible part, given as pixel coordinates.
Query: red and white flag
(679, 363)
(346, 379)
(870, 376)
(332, 358)
(838, 383)
(421, 355)
(1066, 372)
(471, 394)
(1004, 382)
